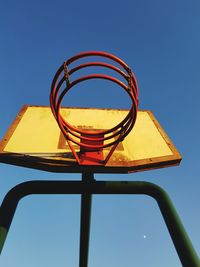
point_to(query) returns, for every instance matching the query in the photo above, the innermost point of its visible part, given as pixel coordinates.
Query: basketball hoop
(92, 143)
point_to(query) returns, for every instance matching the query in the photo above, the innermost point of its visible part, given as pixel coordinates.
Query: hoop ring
(90, 140)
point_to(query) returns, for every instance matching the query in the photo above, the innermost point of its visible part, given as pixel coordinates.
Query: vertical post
(86, 204)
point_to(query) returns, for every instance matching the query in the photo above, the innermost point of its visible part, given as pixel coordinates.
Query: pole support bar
(182, 243)
(86, 206)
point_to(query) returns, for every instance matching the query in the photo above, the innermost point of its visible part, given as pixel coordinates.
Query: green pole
(181, 240)
(182, 243)
(3, 235)
(86, 206)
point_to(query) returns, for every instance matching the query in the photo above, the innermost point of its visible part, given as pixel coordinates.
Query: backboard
(34, 140)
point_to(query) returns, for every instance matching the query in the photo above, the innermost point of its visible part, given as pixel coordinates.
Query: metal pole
(86, 205)
(182, 243)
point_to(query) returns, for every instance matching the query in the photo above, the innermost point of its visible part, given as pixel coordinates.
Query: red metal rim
(122, 129)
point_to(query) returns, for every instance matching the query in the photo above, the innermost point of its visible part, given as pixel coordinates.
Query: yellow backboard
(34, 140)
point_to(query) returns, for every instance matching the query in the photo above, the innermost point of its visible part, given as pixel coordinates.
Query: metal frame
(86, 188)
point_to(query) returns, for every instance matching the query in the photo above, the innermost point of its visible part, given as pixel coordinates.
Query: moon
(144, 236)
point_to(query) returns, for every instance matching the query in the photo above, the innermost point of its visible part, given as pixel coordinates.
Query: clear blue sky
(160, 40)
